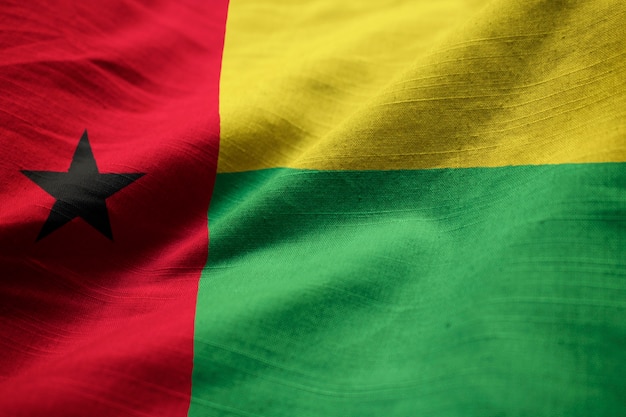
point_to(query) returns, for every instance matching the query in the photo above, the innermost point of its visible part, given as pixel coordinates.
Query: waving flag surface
(414, 208)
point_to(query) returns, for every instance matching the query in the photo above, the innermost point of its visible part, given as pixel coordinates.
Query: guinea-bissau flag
(415, 208)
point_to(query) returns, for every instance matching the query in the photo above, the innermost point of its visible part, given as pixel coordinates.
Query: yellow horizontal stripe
(406, 84)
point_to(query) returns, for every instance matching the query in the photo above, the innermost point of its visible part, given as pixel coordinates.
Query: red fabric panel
(90, 326)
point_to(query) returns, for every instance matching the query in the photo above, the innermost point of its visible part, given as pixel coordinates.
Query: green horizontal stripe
(452, 292)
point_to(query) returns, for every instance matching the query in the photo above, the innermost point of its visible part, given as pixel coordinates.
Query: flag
(314, 208)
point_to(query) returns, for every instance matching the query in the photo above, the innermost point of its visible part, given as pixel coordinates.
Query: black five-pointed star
(80, 192)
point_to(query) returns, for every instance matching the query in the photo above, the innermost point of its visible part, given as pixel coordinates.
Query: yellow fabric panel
(406, 84)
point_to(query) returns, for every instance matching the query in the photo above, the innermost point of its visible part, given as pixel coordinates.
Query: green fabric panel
(448, 292)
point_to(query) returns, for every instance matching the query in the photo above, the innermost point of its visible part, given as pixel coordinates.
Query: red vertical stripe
(89, 326)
